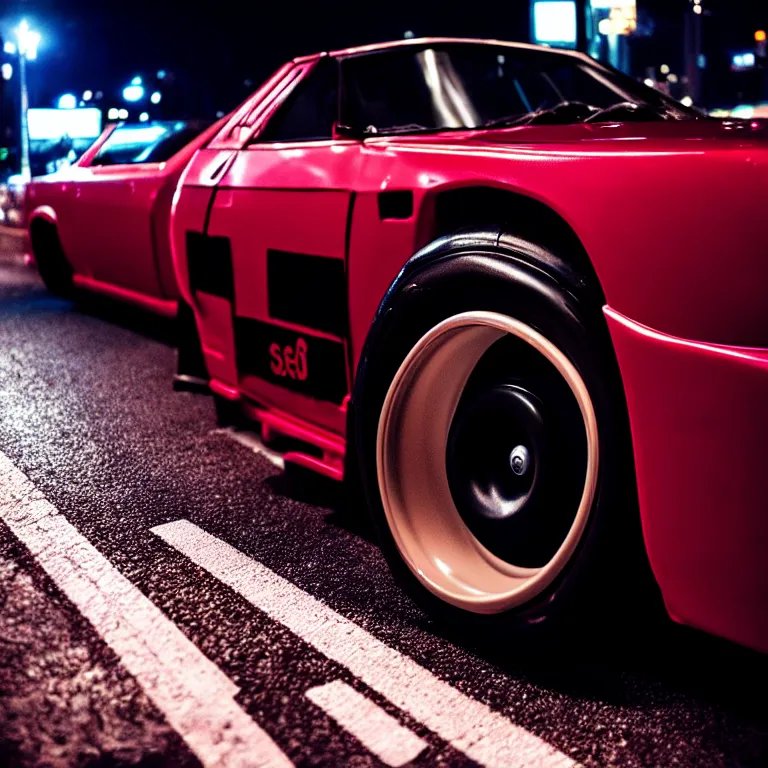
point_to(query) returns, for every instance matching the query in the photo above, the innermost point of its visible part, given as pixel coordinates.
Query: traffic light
(760, 43)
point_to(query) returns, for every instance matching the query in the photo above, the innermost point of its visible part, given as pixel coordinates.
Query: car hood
(736, 132)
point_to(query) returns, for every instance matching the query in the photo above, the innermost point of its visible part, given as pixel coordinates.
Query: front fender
(507, 254)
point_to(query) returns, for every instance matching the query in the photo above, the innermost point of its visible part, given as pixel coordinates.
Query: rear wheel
(492, 446)
(52, 264)
(191, 371)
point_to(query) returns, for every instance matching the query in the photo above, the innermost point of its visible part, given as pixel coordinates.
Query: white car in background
(743, 111)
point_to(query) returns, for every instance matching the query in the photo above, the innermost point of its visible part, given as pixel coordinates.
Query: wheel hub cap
(520, 460)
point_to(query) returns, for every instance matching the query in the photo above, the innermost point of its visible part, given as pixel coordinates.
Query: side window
(309, 111)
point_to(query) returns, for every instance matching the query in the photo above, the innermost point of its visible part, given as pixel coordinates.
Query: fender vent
(308, 290)
(209, 260)
(396, 205)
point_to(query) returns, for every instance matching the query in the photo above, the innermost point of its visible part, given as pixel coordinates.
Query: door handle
(220, 168)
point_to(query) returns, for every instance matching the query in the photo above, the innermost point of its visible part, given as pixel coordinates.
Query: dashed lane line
(194, 695)
(378, 731)
(468, 725)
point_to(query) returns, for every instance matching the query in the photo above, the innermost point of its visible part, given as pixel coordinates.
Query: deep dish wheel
(431, 535)
(493, 446)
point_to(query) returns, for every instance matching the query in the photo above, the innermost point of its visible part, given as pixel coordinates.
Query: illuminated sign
(54, 124)
(620, 19)
(554, 22)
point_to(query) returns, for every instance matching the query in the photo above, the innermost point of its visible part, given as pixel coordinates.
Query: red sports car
(102, 223)
(505, 285)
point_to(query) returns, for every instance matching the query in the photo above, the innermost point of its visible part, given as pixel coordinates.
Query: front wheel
(487, 458)
(492, 445)
(52, 265)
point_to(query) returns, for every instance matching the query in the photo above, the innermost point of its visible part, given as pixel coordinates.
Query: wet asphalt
(88, 413)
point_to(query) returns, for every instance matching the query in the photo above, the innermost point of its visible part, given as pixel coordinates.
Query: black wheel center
(516, 462)
(495, 448)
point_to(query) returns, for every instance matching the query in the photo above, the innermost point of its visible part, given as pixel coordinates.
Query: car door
(281, 210)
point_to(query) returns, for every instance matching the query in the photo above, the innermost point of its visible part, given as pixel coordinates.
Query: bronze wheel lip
(427, 529)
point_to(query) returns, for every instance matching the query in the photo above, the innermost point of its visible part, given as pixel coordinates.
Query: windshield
(148, 142)
(466, 85)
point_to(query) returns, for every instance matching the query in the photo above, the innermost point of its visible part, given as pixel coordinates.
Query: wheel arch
(41, 224)
(42, 216)
(509, 256)
(44, 213)
(452, 209)
(45, 243)
(507, 251)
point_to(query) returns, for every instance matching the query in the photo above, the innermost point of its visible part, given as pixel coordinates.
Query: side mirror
(341, 131)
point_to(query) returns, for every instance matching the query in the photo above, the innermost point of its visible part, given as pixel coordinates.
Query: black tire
(607, 566)
(191, 371)
(52, 265)
(228, 413)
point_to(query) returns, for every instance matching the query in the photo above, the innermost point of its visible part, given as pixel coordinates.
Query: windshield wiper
(372, 130)
(563, 112)
(579, 112)
(507, 121)
(629, 109)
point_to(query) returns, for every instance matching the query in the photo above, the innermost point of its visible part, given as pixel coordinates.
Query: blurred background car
(101, 224)
(743, 111)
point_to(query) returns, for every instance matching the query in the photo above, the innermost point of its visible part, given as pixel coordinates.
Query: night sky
(217, 50)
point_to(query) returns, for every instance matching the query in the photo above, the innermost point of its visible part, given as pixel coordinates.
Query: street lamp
(67, 101)
(27, 46)
(133, 92)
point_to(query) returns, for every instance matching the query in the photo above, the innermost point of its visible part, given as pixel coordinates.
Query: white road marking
(378, 731)
(253, 441)
(195, 696)
(473, 728)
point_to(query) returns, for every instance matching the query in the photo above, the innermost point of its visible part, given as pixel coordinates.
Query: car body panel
(669, 215)
(109, 225)
(165, 307)
(578, 181)
(699, 417)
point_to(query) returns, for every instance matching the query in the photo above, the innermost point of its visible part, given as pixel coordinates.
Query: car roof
(421, 41)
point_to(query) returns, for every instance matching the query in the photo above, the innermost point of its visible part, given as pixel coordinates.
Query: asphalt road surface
(169, 597)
